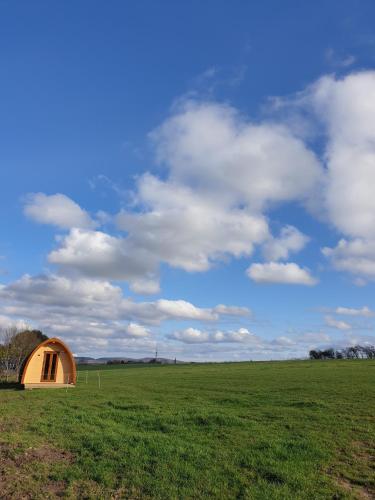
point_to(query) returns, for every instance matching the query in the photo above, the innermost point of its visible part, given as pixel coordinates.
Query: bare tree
(369, 351)
(7, 336)
(352, 352)
(15, 348)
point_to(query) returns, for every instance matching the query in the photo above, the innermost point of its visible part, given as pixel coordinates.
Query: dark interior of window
(49, 367)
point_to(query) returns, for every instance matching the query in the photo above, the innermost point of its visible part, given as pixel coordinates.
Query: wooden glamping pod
(50, 365)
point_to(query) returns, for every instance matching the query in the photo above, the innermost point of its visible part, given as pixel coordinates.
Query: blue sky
(196, 175)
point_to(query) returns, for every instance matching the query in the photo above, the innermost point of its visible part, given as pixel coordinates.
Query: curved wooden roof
(53, 340)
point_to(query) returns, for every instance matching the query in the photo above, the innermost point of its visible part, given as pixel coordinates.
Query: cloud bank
(221, 177)
(287, 273)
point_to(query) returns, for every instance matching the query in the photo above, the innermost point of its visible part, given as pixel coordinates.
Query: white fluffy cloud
(337, 323)
(350, 311)
(183, 231)
(58, 210)
(7, 322)
(232, 310)
(212, 147)
(342, 110)
(183, 309)
(287, 273)
(191, 336)
(347, 106)
(290, 240)
(196, 336)
(52, 290)
(355, 256)
(135, 330)
(313, 339)
(96, 254)
(188, 230)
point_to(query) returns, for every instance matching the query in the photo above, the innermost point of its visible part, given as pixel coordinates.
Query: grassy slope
(247, 430)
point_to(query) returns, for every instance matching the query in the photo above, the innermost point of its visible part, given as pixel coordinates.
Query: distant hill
(82, 360)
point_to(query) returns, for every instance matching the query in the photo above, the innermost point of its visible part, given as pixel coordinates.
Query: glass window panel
(53, 367)
(47, 361)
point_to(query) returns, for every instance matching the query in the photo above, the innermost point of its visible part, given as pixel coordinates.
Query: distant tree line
(352, 352)
(134, 361)
(15, 347)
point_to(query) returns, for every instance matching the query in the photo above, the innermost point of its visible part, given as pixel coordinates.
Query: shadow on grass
(15, 386)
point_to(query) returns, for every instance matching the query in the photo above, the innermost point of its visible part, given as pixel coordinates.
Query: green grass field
(285, 430)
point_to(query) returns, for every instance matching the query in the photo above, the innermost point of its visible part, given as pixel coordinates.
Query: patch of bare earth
(355, 491)
(24, 473)
(90, 490)
(363, 461)
(8, 426)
